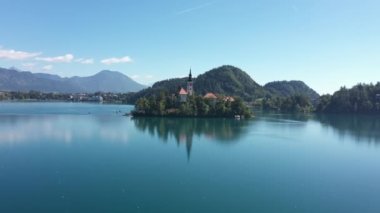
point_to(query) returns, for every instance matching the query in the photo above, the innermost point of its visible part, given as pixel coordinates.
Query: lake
(73, 157)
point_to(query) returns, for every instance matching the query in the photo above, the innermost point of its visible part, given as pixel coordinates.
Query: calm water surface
(66, 157)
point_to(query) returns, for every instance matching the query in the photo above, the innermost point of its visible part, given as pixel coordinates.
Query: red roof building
(182, 95)
(210, 95)
(183, 91)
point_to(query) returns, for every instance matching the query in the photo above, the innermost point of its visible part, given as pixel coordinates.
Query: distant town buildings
(84, 97)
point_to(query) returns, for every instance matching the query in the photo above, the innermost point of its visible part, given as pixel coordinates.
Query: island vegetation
(194, 106)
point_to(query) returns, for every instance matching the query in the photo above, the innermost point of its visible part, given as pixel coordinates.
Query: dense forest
(231, 81)
(362, 98)
(291, 88)
(291, 104)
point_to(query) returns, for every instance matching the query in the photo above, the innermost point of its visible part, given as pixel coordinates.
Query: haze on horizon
(327, 44)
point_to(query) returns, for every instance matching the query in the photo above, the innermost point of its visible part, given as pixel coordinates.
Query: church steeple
(190, 76)
(190, 84)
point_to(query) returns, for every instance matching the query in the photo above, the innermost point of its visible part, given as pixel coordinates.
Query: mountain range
(104, 81)
(226, 80)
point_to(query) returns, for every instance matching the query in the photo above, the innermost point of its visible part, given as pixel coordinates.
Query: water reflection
(16, 129)
(185, 129)
(363, 128)
(284, 118)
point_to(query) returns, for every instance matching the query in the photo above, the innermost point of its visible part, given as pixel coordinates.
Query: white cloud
(85, 61)
(47, 67)
(88, 61)
(64, 59)
(28, 66)
(149, 76)
(135, 76)
(108, 61)
(16, 55)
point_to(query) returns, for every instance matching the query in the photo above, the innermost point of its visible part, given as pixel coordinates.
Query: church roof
(210, 95)
(183, 91)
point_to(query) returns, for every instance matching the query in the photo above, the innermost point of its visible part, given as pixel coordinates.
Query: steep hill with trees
(291, 88)
(229, 80)
(226, 80)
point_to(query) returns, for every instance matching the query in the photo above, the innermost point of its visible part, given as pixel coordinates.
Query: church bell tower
(190, 90)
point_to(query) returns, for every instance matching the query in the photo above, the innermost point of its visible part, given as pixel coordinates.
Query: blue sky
(325, 43)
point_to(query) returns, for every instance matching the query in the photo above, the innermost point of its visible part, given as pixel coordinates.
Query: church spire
(190, 84)
(190, 76)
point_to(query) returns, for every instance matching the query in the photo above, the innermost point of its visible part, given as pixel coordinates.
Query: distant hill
(291, 88)
(227, 80)
(104, 81)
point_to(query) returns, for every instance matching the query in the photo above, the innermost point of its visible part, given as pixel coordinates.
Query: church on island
(187, 103)
(184, 93)
(189, 91)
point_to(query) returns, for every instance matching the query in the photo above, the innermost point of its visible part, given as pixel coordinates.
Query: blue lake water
(71, 157)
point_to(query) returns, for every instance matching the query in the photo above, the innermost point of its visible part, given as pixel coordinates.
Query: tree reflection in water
(361, 127)
(185, 129)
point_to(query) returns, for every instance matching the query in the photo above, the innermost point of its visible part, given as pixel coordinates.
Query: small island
(188, 104)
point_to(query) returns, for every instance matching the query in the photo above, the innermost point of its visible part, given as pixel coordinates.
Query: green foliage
(195, 106)
(291, 88)
(294, 104)
(362, 98)
(230, 81)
